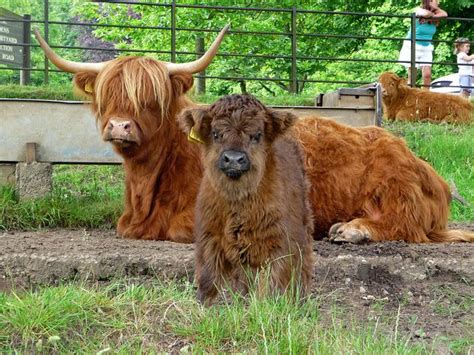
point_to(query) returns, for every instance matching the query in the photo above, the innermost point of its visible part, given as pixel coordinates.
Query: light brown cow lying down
(366, 185)
(404, 103)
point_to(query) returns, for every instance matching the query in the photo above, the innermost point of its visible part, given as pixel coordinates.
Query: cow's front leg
(349, 233)
(181, 227)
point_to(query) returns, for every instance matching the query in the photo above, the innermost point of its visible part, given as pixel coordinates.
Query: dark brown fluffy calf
(252, 209)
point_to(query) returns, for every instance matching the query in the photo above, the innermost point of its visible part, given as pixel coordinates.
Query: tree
(262, 39)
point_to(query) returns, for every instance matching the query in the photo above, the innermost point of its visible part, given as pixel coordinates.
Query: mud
(427, 288)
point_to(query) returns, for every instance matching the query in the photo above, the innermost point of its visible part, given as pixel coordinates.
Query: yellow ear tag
(194, 137)
(88, 88)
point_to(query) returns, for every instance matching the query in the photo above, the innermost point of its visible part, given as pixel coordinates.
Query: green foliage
(270, 35)
(65, 35)
(66, 92)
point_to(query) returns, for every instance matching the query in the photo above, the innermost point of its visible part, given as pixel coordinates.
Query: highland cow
(252, 211)
(404, 103)
(367, 186)
(136, 100)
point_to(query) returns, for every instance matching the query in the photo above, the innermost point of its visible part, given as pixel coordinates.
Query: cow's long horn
(67, 65)
(201, 63)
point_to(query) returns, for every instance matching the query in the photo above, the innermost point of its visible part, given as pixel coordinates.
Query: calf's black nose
(234, 163)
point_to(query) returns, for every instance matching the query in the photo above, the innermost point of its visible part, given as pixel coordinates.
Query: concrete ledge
(66, 131)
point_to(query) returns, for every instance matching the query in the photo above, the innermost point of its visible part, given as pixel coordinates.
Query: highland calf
(253, 217)
(404, 103)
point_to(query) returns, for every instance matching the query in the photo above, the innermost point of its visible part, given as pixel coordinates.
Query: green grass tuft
(82, 197)
(130, 318)
(46, 92)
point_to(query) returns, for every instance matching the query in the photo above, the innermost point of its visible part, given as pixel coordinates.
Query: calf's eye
(255, 138)
(215, 135)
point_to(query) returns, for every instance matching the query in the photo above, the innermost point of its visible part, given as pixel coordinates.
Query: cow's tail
(452, 235)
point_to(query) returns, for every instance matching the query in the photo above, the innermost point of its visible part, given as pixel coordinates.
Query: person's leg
(425, 54)
(465, 83)
(426, 74)
(409, 75)
(404, 57)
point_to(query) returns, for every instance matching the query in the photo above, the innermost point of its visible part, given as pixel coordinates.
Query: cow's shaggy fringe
(140, 81)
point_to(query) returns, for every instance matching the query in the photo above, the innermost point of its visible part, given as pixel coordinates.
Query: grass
(451, 303)
(283, 100)
(129, 318)
(82, 196)
(65, 92)
(46, 92)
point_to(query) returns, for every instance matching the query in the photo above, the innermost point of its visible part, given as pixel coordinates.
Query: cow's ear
(196, 123)
(181, 83)
(279, 122)
(84, 82)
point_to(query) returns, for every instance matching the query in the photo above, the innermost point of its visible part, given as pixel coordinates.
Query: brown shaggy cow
(252, 208)
(402, 102)
(366, 185)
(135, 100)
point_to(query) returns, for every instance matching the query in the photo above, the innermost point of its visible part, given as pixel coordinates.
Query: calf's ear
(279, 122)
(84, 83)
(196, 123)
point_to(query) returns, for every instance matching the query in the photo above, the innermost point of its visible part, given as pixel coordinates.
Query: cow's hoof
(344, 233)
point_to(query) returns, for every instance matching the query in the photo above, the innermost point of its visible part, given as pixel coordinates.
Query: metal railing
(293, 80)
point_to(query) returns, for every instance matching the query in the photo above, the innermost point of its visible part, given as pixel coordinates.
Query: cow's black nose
(234, 163)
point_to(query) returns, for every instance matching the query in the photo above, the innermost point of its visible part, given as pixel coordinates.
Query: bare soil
(423, 290)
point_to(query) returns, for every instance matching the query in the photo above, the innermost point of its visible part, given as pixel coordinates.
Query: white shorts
(465, 82)
(422, 54)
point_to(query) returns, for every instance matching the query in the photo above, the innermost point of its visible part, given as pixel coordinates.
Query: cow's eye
(215, 135)
(255, 138)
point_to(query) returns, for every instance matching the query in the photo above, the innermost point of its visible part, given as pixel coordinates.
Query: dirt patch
(428, 287)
